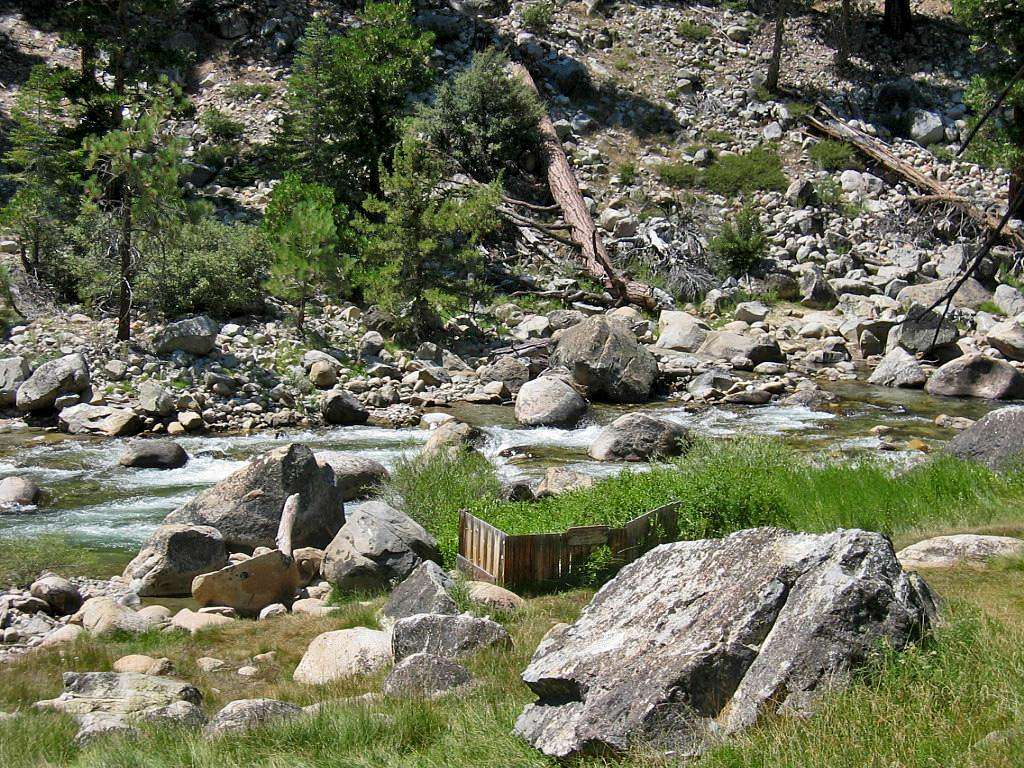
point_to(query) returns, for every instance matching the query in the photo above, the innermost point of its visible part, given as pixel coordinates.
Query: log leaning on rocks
(566, 192)
(831, 126)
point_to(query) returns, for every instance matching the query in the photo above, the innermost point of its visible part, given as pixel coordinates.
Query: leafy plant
(758, 170)
(682, 175)
(537, 16)
(249, 91)
(693, 31)
(221, 126)
(741, 244)
(830, 155)
(483, 119)
(626, 172)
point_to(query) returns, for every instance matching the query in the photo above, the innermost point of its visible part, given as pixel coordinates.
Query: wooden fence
(489, 554)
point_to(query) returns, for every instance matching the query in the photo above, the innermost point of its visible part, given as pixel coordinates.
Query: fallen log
(583, 232)
(834, 128)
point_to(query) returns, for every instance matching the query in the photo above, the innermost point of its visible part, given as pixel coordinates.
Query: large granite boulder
(700, 637)
(14, 371)
(681, 331)
(343, 653)
(356, 476)
(68, 375)
(195, 335)
(251, 585)
(996, 439)
(247, 714)
(62, 597)
(509, 370)
(101, 615)
(1008, 338)
(977, 376)
(603, 355)
(445, 635)
(726, 345)
(923, 332)
(342, 409)
(154, 454)
(424, 675)
(116, 702)
(246, 506)
(172, 557)
(85, 419)
(970, 295)
(639, 437)
(377, 547)
(899, 369)
(450, 438)
(428, 589)
(17, 491)
(961, 549)
(548, 401)
(155, 400)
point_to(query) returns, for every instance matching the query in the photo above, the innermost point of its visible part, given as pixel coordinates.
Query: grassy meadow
(934, 705)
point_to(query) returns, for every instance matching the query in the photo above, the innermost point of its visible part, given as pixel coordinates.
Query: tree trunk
(898, 19)
(566, 192)
(775, 65)
(124, 247)
(843, 47)
(1017, 173)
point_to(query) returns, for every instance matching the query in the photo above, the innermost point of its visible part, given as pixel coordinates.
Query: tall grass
(724, 486)
(22, 560)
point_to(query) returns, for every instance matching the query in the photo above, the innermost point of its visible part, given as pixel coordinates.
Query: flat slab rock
(961, 549)
(698, 638)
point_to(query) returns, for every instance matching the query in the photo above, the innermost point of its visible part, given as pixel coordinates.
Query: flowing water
(96, 502)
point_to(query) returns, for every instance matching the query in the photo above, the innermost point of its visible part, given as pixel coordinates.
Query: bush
(741, 244)
(249, 91)
(680, 175)
(626, 172)
(832, 155)
(537, 16)
(221, 126)
(483, 119)
(758, 170)
(432, 492)
(690, 30)
(207, 267)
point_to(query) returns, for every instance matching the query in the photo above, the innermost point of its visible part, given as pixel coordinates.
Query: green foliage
(741, 244)
(432, 491)
(419, 255)
(537, 16)
(758, 170)
(344, 96)
(247, 91)
(301, 225)
(992, 308)
(681, 175)
(23, 559)
(207, 267)
(221, 127)
(626, 172)
(715, 136)
(832, 155)
(214, 155)
(693, 31)
(484, 119)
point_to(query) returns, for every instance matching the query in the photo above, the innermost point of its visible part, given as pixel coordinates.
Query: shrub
(214, 155)
(249, 91)
(992, 308)
(626, 172)
(207, 267)
(221, 126)
(741, 244)
(680, 175)
(758, 170)
(484, 119)
(691, 30)
(832, 155)
(537, 16)
(715, 136)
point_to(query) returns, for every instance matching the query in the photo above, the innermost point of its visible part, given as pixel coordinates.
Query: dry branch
(566, 192)
(831, 126)
(284, 528)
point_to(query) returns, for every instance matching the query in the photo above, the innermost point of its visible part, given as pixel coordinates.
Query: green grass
(723, 486)
(758, 170)
(830, 155)
(537, 16)
(992, 308)
(680, 175)
(249, 91)
(22, 560)
(716, 136)
(221, 126)
(691, 30)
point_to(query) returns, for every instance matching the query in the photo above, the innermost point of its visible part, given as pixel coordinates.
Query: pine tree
(134, 191)
(420, 253)
(346, 94)
(300, 221)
